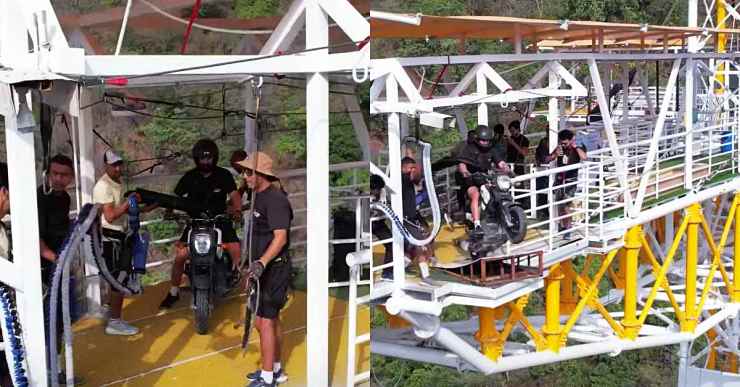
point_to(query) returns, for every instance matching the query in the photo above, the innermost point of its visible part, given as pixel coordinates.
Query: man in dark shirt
(479, 156)
(542, 155)
(410, 176)
(566, 153)
(206, 188)
(53, 207)
(517, 147)
(269, 263)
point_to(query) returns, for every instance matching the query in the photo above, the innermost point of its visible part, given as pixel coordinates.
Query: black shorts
(117, 250)
(274, 284)
(228, 233)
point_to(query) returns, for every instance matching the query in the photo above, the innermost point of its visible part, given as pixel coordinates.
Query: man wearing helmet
(207, 185)
(478, 156)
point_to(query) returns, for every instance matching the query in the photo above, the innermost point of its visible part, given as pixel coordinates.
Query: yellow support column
(622, 269)
(491, 344)
(736, 262)
(721, 44)
(632, 244)
(551, 329)
(692, 257)
(568, 299)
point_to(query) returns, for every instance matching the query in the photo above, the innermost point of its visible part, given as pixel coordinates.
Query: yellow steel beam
(664, 284)
(589, 293)
(694, 217)
(583, 285)
(736, 259)
(712, 355)
(487, 334)
(721, 44)
(516, 312)
(717, 255)
(551, 328)
(660, 276)
(568, 298)
(632, 244)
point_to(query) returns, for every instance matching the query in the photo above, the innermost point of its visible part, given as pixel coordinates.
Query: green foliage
(248, 9)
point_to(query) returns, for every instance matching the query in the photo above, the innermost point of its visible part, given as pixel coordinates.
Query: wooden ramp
(168, 352)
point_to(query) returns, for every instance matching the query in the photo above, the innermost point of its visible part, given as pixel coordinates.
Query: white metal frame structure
(51, 58)
(628, 167)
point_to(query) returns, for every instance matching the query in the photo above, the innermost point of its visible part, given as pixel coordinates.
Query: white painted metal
(394, 180)
(317, 188)
(24, 219)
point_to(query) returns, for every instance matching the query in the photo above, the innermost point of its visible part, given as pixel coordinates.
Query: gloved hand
(256, 269)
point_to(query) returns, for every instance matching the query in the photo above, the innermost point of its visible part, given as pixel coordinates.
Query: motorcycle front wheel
(518, 228)
(202, 311)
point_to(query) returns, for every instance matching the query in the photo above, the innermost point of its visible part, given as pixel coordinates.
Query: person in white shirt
(108, 192)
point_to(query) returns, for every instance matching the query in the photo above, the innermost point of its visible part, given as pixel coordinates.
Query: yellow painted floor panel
(168, 352)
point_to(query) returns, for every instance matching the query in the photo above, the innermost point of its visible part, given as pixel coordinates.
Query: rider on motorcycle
(207, 185)
(478, 156)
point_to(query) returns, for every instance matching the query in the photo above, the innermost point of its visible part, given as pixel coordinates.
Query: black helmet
(203, 148)
(483, 132)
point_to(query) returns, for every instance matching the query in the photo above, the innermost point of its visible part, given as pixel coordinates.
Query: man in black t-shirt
(479, 156)
(206, 187)
(53, 206)
(517, 147)
(566, 153)
(269, 263)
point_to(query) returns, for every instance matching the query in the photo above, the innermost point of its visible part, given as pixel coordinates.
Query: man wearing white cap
(269, 262)
(108, 192)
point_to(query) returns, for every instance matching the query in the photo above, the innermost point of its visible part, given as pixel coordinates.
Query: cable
(205, 27)
(13, 337)
(193, 17)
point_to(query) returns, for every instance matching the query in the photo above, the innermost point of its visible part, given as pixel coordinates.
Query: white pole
(688, 100)
(394, 174)
(481, 84)
(317, 214)
(250, 124)
(553, 119)
(21, 157)
(683, 355)
(123, 27)
(84, 127)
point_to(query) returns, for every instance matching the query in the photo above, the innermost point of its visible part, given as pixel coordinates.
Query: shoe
(169, 301)
(477, 233)
(279, 377)
(118, 327)
(259, 382)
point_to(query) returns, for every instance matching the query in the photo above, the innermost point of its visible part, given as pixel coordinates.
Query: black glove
(256, 269)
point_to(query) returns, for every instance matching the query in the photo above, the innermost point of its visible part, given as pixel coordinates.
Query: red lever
(116, 81)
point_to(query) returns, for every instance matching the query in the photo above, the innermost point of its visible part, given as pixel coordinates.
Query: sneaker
(259, 382)
(387, 274)
(279, 377)
(119, 327)
(169, 301)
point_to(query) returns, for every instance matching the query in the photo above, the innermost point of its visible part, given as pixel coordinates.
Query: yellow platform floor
(168, 352)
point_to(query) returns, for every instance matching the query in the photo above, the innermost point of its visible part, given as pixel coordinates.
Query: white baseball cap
(110, 157)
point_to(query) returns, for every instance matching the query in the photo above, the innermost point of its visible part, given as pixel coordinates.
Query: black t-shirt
(512, 154)
(408, 195)
(570, 157)
(53, 217)
(206, 192)
(542, 151)
(478, 160)
(53, 222)
(272, 211)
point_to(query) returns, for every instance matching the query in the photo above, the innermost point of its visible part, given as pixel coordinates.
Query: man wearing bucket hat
(269, 262)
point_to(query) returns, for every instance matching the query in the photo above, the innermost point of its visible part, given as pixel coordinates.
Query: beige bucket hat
(259, 162)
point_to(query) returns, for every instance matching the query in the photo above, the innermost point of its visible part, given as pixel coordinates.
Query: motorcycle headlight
(503, 182)
(202, 243)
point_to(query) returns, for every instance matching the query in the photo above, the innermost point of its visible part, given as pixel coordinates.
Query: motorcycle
(502, 219)
(209, 268)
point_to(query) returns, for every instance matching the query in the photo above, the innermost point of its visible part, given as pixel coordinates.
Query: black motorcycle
(209, 268)
(502, 219)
